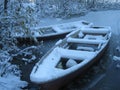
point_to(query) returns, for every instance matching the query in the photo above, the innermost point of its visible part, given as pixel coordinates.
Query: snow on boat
(51, 31)
(70, 57)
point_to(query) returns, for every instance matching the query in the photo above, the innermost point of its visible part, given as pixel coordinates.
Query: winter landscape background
(24, 15)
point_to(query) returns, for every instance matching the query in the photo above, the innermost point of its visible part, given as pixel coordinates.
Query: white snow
(76, 31)
(58, 42)
(9, 74)
(116, 58)
(63, 24)
(95, 37)
(25, 5)
(49, 64)
(100, 18)
(118, 48)
(29, 60)
(74, 25)
(87, 41)
(58, 28)
(85, 48)
(102, 30)
(80, 34)
(78, 55)
(70, 63)
(11, 82)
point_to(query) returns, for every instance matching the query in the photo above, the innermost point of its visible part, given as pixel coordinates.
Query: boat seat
(75, 54)
(101, 30)
(85, 48)
(86, 41)
(94, 37)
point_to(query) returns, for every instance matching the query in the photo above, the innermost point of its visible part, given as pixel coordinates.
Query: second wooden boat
(52, 31)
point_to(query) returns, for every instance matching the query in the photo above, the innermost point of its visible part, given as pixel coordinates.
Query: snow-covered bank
(9, 73)
(11, 83)
(102, 18)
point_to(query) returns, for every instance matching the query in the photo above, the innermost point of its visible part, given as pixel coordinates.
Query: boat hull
(58, 31)
(60, 82)
(28, 40)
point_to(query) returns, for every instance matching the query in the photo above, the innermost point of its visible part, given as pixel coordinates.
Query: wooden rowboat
(51, 31)
(70, 57)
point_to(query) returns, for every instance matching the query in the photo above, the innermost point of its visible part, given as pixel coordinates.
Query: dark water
(104, 75)
(26, 68)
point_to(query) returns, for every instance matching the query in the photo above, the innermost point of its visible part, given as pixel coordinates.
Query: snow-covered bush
(28, 54)
(68, 8)
(5, 65)
(60, 8)
(23, 14)
(57, 8)
(11, 82)
(19, 16)
(105, 5)
(9, 73)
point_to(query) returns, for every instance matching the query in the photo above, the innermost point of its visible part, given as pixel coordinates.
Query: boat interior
(62, 64)
(43, 31)
(78, 46)
(88, 42)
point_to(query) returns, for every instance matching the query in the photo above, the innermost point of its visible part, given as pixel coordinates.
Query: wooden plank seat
(85, 44)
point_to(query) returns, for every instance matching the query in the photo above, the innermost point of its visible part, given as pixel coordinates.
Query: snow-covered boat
(51, 31)
(70, 57)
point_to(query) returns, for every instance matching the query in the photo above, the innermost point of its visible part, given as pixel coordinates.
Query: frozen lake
(107, 77)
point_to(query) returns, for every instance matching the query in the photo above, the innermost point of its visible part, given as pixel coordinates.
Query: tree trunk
(5, 5)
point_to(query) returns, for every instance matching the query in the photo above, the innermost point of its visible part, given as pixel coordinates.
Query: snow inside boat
(52, 30)
(71, 56)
